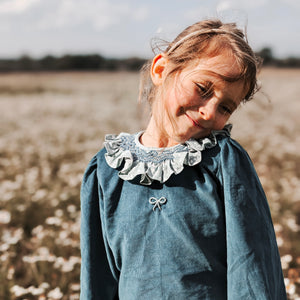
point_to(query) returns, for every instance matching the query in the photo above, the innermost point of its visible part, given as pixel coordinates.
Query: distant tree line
(96, 62)
(92, 62)
(269, 60)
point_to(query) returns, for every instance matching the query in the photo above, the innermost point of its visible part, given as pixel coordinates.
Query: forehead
(224, 65)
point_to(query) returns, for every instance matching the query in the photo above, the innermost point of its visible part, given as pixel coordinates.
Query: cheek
(179, 98)
(174, 103)
(220, 123)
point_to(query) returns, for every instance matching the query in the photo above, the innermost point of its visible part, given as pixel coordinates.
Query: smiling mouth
(195, 123)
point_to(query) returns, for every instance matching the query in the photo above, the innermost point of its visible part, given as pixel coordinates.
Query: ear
(158, 69)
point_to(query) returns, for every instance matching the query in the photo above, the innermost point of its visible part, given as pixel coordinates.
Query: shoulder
(108, 161)
(232, 151)
(220, 144)
(97, 167)
(228, 158)
(226, 148)
(94, 162)
(230, 147)
(236, 167)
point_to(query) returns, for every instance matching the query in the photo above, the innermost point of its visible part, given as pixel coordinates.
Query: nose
(207, 111)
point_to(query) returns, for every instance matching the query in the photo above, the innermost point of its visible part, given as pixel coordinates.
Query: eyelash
(204, 91)
(207, 92)
(226, 109)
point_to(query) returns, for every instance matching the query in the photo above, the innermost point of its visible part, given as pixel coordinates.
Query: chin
(181, 138)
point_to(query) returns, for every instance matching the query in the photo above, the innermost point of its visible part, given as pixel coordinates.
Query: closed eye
(226, 109)
(205, 90)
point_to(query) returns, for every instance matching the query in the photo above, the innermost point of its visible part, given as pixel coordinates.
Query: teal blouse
(185, 222)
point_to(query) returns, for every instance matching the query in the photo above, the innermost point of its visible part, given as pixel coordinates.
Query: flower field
(53, 123)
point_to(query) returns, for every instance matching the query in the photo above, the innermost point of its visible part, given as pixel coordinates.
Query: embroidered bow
(157, 202)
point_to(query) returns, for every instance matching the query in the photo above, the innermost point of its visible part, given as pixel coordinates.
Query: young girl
(177, 211)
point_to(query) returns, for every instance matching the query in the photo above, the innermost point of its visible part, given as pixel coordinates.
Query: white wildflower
(44, 285)
(6, 196)
(36, 230)
(59, 213)
(43, 251)
(29, 259)
(75, 287)
(285, 261)
(292, 224)
(12, 237)
(55, 294)
(4, 257)
(280, 241)
(35, 291)
(35, 258)
(71, 208)
(64, 196)
(65, 225)
(58, 262)
(67, 242)
(278, 228)
(51, 258)
(10, 185)
(66, 265)
(21, 207)
(63, 234)
(74, 181)
(4, 247)
(291, 289)
(10, 273)
(53, 221)
(5, 217)
(39, 195)
(18, 291)
(54, 202)
(286, 281)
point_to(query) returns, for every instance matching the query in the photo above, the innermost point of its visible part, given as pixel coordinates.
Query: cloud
(141, 13)
(224, 5)
(100, 14)
(16, 6)
(293, 3)
(198, 13)
(240, 4)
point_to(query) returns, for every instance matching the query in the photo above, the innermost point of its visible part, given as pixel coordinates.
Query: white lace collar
(159, 164)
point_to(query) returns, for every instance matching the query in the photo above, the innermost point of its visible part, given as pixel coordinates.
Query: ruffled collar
(126, 151)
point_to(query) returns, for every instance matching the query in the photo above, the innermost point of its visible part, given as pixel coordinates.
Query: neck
(155, 136)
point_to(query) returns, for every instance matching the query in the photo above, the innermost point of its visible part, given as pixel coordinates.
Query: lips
(195, 122)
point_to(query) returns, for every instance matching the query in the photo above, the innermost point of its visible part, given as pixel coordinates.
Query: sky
(125, 28)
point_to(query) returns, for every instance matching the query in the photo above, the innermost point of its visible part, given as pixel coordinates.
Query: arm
(253, 261)
(97, 281)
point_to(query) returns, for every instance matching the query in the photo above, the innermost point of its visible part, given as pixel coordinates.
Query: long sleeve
(97, 281)
(253, 261)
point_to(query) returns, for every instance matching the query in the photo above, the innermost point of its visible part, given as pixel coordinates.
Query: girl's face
(196, 100)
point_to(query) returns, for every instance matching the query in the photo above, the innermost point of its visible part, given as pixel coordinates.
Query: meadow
(53, 123)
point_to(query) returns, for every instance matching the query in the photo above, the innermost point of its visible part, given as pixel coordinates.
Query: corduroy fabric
(212, 238)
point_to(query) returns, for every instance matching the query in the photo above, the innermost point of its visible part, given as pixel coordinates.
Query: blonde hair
(206, 38)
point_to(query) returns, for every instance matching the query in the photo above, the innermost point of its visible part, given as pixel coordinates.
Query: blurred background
(69, 75)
